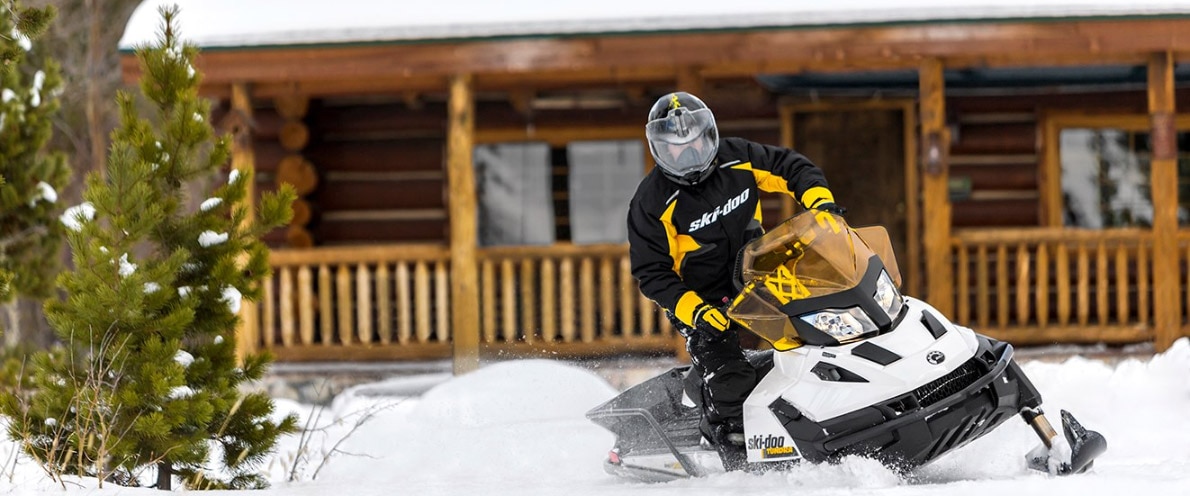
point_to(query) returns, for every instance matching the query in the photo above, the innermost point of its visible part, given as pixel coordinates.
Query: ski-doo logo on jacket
(709, 218)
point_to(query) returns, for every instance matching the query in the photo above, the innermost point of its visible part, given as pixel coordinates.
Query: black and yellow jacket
(683, 240)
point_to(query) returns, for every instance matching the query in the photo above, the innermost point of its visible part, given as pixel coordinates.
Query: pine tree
(150, 378)
(30, 236)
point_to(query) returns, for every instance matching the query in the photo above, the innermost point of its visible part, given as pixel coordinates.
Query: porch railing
(393, 302)
(1055, 285)
(1028, 286)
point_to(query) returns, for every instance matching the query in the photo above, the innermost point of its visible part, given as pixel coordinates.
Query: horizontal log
(407, 214)
(1134, 101)
(998, 177)
(361, 120)
(1006, 138)
(375, 156)
(378, 194)
(989, 213)
(365, 231)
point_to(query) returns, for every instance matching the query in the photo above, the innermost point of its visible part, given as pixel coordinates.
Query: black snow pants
(727, 375)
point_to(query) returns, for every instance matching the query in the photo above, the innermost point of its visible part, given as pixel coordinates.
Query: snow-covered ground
(517, 428)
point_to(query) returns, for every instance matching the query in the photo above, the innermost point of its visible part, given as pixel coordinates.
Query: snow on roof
(246, 23)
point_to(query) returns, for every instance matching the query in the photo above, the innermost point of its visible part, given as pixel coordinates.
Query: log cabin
(464, 171)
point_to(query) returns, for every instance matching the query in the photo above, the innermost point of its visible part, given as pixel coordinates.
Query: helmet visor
(683, 141)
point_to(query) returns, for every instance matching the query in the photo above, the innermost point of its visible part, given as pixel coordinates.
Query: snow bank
(517, 428)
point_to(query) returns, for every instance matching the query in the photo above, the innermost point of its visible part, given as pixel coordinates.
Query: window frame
(1050, 177)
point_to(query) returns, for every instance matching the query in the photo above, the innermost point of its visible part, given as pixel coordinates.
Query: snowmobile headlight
(841, 324)
(887, 296)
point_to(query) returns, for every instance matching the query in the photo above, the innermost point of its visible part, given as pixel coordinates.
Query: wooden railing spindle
(288, 327)
(549, 303)
(343, 288)
(1043, 284)
(1142, 283)
(587, 298)
(326, 307)
(487, 298)
(1002, 285)
(305, 282)
(607, 298)
(363, 303)
(963, 292)
(982, 290)
(384, 303)
(268, 319)
(442, 301)
(1062, 263)
(507, 301)
(421, 299)
(567, 314)
(404, 304)
(528, 299)
(1084, 285)
(1102, 282)
(627, 297)
(1022, 284)
(1122, 304)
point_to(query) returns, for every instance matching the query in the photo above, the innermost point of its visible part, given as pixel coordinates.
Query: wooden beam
(690, 81)
(724, 54)
(464, 280)
(935, 161)
(243, 159)
(1164, 183)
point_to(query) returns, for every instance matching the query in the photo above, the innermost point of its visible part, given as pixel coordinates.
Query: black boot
(727, 438)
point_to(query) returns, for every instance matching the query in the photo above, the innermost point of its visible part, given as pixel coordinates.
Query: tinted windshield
(810, 255)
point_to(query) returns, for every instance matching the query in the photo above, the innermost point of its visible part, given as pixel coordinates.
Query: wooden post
(935, 164)
(464, 280)
(243, 159)
(1164, 184)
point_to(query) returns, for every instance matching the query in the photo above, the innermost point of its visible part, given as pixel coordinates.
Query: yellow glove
(696, 313)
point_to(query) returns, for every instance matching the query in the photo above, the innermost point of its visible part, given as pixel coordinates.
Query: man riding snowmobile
(689, 218)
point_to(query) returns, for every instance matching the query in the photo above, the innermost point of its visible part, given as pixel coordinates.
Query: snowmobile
(855, 368)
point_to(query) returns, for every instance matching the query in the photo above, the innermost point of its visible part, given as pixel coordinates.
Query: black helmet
(682, 137)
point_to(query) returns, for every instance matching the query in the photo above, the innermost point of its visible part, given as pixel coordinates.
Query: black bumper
(918, 427)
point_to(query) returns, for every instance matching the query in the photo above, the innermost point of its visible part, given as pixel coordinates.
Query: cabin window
(602, 178)
(1105, 178)
(1105, 174)
(513, 189)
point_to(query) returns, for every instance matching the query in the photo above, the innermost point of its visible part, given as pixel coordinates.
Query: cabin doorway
(867, 150)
